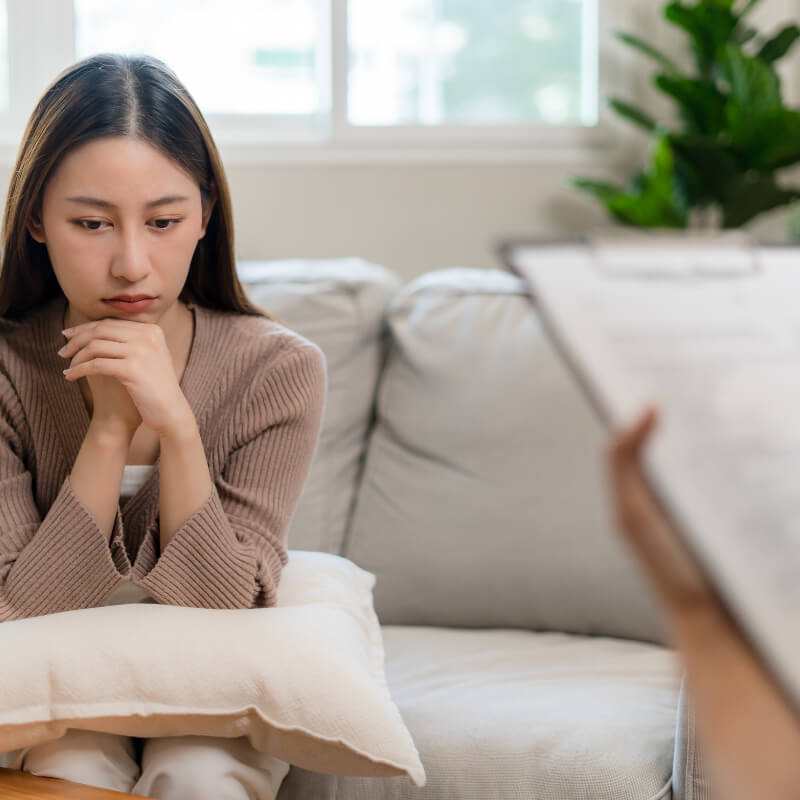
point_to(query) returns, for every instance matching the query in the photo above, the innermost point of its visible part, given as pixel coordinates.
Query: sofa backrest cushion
(339, 305)
(483, 500)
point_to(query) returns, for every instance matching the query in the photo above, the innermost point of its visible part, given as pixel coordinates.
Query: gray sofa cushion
(515, 714)
(483, 501)
(339, 305)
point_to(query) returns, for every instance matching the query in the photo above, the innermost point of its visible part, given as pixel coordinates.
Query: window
(470, 62)
(335, 73)
(235, 57)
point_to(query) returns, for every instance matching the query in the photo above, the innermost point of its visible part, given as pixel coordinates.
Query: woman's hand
(748, 728)
(130, 373)
(682, 587)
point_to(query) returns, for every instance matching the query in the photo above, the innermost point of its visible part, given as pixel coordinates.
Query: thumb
(628, 443)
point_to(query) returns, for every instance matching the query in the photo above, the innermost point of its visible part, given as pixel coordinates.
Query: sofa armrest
(689, 778)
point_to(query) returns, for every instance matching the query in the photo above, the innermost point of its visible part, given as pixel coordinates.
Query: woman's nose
(131, 258)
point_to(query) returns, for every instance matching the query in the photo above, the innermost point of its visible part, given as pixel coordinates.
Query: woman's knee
(207, 768)
(103, 760)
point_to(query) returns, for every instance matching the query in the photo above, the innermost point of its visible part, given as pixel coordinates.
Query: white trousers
(169, 768)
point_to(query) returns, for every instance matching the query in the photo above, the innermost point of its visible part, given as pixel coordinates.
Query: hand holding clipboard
(750, 734)
(705, 490)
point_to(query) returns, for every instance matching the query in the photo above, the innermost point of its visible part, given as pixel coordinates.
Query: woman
(165, 463)
(749, 732)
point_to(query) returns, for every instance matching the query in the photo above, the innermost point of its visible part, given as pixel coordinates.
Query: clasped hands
(136, 355)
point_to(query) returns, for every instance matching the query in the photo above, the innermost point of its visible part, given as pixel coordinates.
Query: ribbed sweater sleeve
(230, 553)
(58, 563)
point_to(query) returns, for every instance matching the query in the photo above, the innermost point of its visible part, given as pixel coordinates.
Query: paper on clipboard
(719, 354)
(654, 256)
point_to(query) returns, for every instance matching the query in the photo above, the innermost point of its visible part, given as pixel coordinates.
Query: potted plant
(734, 135)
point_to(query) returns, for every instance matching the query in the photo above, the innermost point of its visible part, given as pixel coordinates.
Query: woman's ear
(208, 207)
(36, 228)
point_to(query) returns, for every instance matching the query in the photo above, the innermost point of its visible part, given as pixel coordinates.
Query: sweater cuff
(205, 564)
(68, 564)
(118, 552)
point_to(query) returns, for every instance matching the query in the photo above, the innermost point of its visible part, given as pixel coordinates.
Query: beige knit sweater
(257, 390)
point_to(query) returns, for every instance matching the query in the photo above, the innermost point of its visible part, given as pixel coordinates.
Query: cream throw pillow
(304, 681)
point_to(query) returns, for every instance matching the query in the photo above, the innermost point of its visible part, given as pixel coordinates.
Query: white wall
(413, 217)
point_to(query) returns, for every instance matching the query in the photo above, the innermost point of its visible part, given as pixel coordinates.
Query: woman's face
(120, 217)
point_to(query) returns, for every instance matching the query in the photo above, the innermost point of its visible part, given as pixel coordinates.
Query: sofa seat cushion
(516, 714)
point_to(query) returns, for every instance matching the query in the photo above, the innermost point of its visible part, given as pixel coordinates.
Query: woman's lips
(139, 305)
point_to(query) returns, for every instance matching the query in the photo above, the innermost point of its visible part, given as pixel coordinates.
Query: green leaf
(635, 115)
(642, 213)
(743, 34)
(701, 104)
(748, 7)
(609, 195)
(645, 48)
(759, 127)
(684, 17)
(663, 164)
(599, 189)
(652, 197)
(780, 44)
(775, 143)
(704, 166)
(752, 194)
(709, 25)
(754, 84)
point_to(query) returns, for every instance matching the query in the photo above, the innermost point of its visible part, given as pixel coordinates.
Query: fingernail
(67, 331)
(67, 371)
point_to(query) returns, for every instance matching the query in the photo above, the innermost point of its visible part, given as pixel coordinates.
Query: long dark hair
(115, 95)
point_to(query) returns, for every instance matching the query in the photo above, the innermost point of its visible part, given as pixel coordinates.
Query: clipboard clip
(725, 254)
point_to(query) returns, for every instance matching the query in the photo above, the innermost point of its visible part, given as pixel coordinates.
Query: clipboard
(657, 256)
(719, 352)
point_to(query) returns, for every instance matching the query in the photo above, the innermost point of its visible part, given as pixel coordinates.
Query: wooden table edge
(16, 785)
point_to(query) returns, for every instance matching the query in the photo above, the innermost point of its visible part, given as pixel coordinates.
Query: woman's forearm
(749, 731)
(185, 482)
(96, 475)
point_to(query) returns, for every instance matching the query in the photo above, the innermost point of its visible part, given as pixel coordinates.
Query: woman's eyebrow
(96, 201)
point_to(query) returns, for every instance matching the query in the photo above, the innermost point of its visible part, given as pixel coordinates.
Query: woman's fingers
(110, 367)
(636, 508)
(98, 348)
(83, 334)
(651, 533)
(629, 443)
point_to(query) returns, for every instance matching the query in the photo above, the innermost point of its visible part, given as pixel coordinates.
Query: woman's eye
(166, 224)
(96, 224)
(90, 224)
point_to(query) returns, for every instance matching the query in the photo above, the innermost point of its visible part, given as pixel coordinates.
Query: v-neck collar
(68, 404)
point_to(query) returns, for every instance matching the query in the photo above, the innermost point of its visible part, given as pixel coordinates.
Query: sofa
(459, 462)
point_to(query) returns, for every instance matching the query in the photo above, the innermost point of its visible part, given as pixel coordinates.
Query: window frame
(40, 48)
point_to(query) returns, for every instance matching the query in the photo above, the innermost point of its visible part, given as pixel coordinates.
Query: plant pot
(705, 219)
